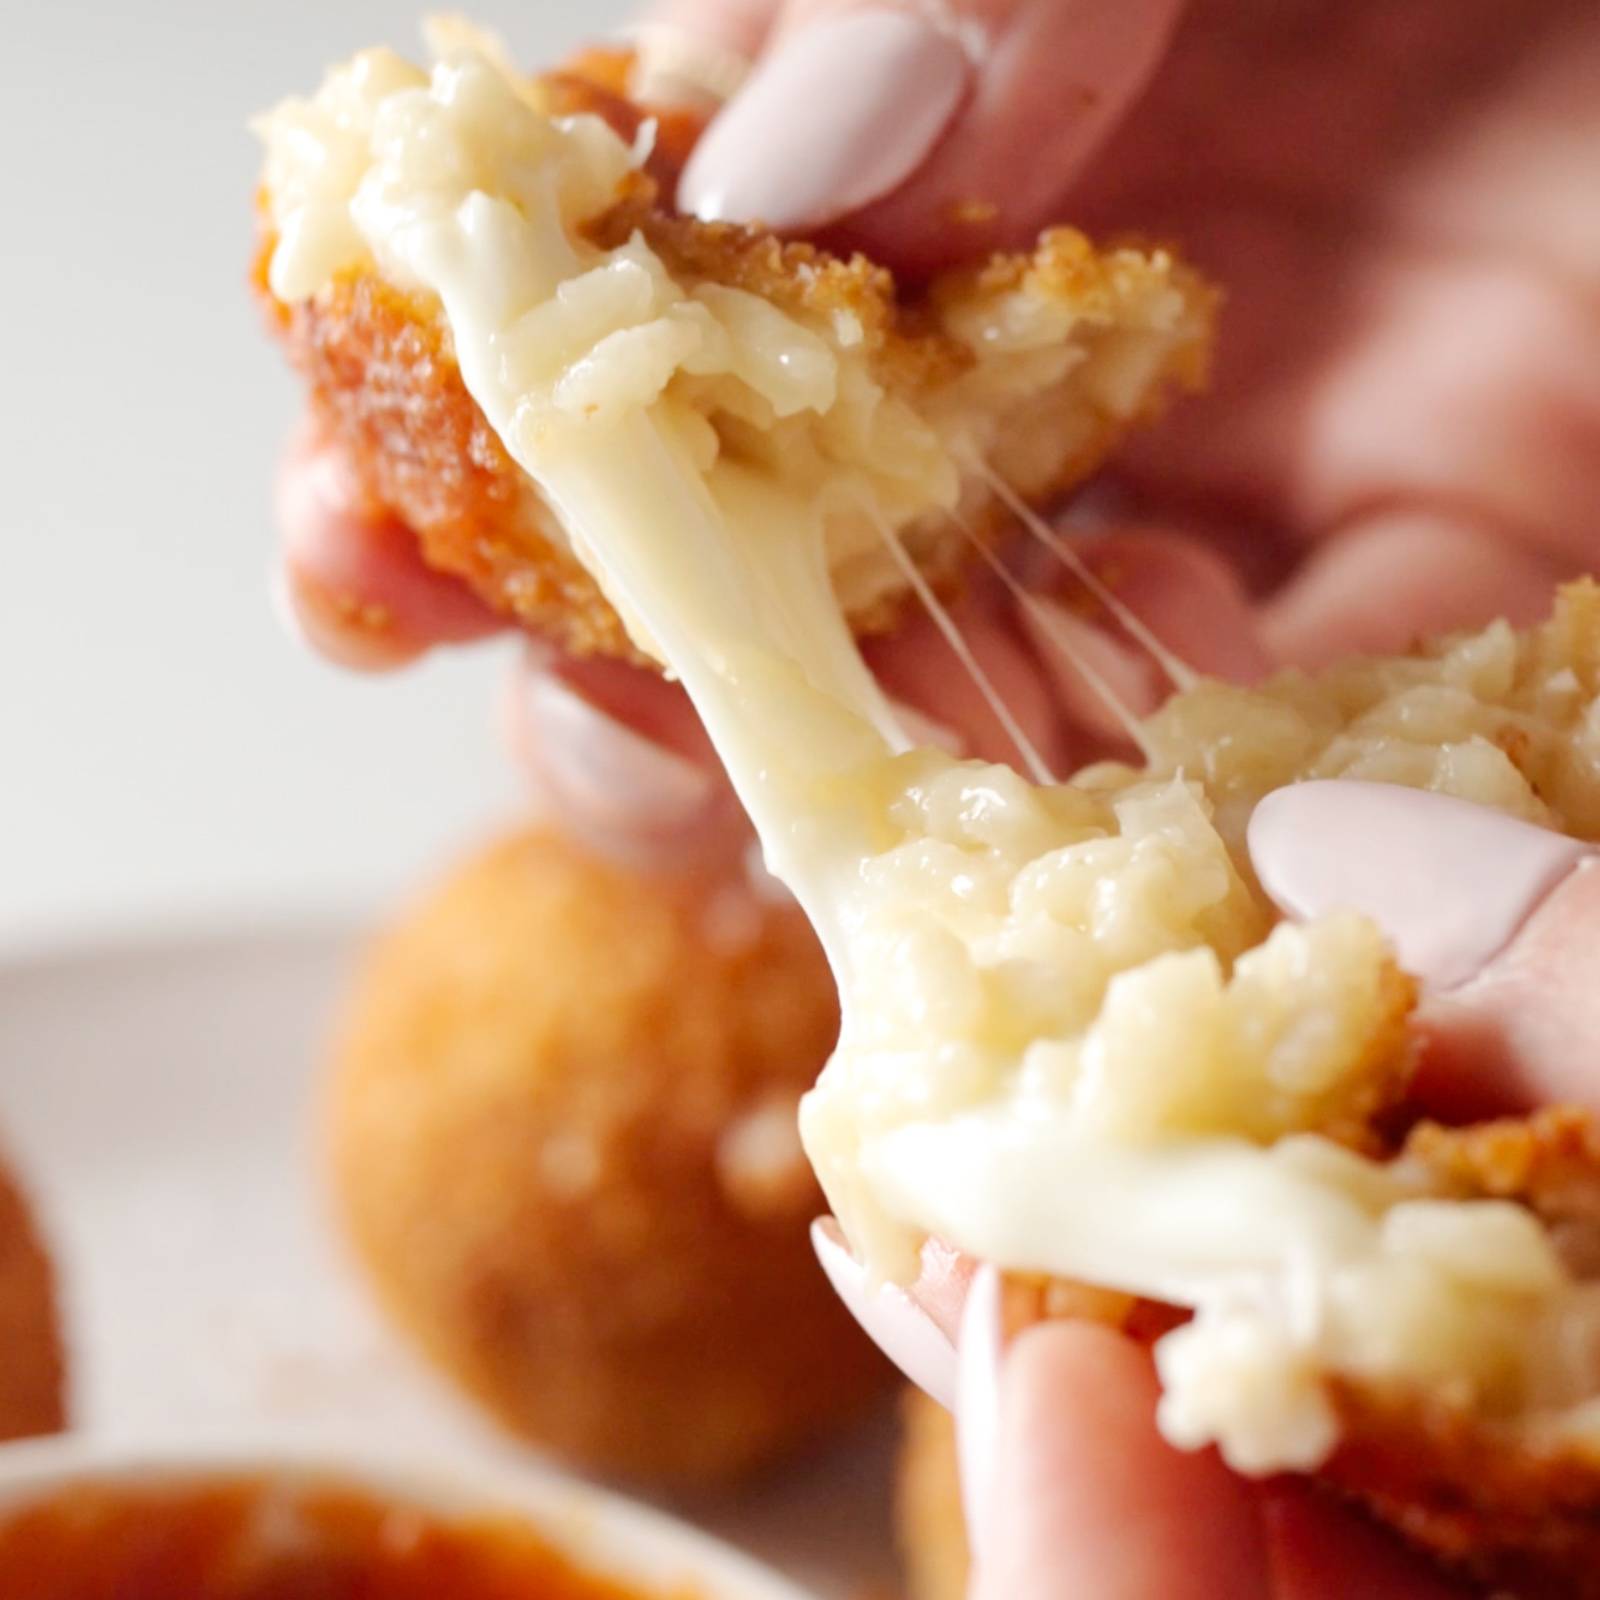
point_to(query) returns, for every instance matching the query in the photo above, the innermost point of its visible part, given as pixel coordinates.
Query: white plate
(157, 1101)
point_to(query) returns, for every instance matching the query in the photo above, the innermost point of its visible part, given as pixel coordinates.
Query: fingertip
(351, 579)
(889, 1316)
(337, 627)
(1091, 1500)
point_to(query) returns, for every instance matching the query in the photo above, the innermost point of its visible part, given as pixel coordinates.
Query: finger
(1189, 600)
(1459, 377)
(355, 583)
(741, 26)
(1088, 1499)
(924, 138)
(1054, 79)
(1320, 1551)
(1521, 1033)
(1398, 576)
(1499, 918)
(614, 755)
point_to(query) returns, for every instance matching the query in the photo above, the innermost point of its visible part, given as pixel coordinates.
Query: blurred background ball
(563, 1130)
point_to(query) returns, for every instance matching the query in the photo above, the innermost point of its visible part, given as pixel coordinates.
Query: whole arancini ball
(563, 1120)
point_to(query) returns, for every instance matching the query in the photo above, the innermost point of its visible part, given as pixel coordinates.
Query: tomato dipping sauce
(266, 1538)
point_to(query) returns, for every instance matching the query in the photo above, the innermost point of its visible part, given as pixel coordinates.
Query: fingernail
(598, 772)
(842, 114)
(977, 1410)
(1449, 882)
(889, 1316)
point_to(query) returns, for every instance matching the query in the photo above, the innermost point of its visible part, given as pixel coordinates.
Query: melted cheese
(1073, 1040)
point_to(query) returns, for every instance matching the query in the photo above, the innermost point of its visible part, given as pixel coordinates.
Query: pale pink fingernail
(977, 1410)
(839, 115)
(891, 1318)
(594, 770)
(1449, 882)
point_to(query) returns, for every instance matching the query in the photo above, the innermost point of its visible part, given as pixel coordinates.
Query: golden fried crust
(928, 1523)
(384, 380)
(1507, 1514)
(32, 1365)
(1511, 1508)
(562, 1123)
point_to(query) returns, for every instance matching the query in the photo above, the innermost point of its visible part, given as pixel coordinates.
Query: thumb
(1086, 1498)
(1499, 918)
(923, 135)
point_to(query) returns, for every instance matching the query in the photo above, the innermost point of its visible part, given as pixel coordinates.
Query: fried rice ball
(563, 1129)
(32, 1363)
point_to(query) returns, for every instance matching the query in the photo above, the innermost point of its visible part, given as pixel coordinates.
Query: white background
(167, 754)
